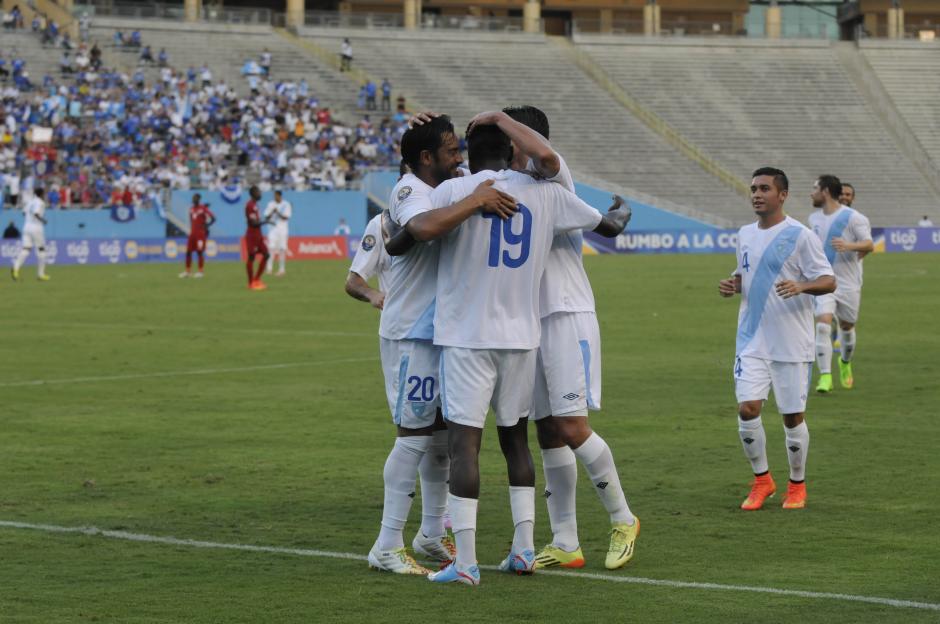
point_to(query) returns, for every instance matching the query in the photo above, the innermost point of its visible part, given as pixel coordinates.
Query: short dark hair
(846, 184)
(488, 142)
(781, 181)
(39, 192)
(830, 183)
(428, 136)
(529, 116)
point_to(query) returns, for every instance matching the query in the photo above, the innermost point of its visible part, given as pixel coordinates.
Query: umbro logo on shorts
(794, 448)
(748, 440)
(571, 396)
(547, 494)
(412, 495)
(602, 485)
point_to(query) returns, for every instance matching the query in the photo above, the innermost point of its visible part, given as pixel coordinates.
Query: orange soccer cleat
(762, 488)
(796, 496)
(258, 285)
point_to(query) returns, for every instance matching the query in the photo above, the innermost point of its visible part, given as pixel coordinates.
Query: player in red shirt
(200, 218)
(254, 240)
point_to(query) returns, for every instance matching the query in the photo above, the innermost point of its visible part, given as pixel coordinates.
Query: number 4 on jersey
(501, 230)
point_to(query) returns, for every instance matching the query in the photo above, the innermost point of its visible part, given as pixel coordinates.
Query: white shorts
(753, 378)
(33, 237)
(844, 304)
(411, 381)
(473, 380)
(277, 240)
(568, 367)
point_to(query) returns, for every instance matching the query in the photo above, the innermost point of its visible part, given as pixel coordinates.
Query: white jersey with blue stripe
(769, 326)
(412, 277)
(371, 258)
(851, 225)
(490, 269)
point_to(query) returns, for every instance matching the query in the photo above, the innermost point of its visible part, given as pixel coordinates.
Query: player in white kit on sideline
(278, 213)
(779, 263)
(568, 377)
(411, 362)
(487, 323)
(34, 236)
(846, 237)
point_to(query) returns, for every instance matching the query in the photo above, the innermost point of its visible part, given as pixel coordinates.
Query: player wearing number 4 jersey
(487, 322)
(568, 377)
(780, 263)
(411, 361)
(846, 237)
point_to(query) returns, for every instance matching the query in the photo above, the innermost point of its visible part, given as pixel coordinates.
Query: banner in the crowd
(114, 251)
(122, 213)
(232, 193)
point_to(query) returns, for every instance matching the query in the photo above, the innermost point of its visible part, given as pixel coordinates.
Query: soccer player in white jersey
(568, 377)
(410, 360)
(370, 260)
(846, 236)
(780, 263)
(34, 236)
(487, 321)
(278, 213)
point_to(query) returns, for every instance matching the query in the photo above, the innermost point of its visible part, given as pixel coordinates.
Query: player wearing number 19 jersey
(487, 322)
(568, 377)
(780, 263)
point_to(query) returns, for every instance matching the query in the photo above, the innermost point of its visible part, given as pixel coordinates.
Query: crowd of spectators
(118, 137)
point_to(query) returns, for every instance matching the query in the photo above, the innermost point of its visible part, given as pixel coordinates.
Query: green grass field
(201, 410)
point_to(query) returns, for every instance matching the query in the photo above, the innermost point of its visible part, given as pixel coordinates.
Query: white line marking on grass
(199, 330)
(181, 373)
(305, 552)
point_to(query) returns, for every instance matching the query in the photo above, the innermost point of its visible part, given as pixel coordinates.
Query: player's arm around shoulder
(447, 214)
(615, 221)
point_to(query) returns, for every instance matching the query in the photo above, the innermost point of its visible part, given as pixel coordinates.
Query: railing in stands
(162, 10)
(430, 21)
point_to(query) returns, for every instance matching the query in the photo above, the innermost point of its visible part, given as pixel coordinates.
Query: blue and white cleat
(450, 574)
(521, 563)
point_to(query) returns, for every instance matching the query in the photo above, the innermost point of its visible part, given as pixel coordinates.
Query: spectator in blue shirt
(370, 95)
(386, 95)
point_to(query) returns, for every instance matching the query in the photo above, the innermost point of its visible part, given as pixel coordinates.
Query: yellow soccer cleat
(825, 383)
(845, 374)
(622, 544)
(551, 556)
(43, 278)
(397, 561)
(15, 274)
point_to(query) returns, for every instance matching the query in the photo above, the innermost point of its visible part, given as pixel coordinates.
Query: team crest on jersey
(403, 193)
(368, 242)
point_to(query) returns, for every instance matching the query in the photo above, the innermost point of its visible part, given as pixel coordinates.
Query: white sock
(597, 459)
(824, 348)
(463, 514)
(20, 258)
(40, 262)
(401, 472)
(847, 338)
(283, 261)
(435, 471)
(522, 503)
(797, 449)
(561, 477)
(754, 442)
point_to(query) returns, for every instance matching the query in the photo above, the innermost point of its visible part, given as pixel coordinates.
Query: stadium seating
(788, 104)
(594, 133)
(40, 60)
(908, 71)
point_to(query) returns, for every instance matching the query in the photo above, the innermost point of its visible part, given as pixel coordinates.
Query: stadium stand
(594, 133)
(786, 103)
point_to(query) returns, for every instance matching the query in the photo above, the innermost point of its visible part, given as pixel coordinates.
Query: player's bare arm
(615, 221)
(358, 288)
(730, 287)
(530, 142)
(819, 286)
(437, 223)
(864, 246)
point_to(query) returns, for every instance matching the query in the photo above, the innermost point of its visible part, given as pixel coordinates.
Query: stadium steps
(650, 118)
(868, 84)
(788, 104)
(597, 137)
(40, 60)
